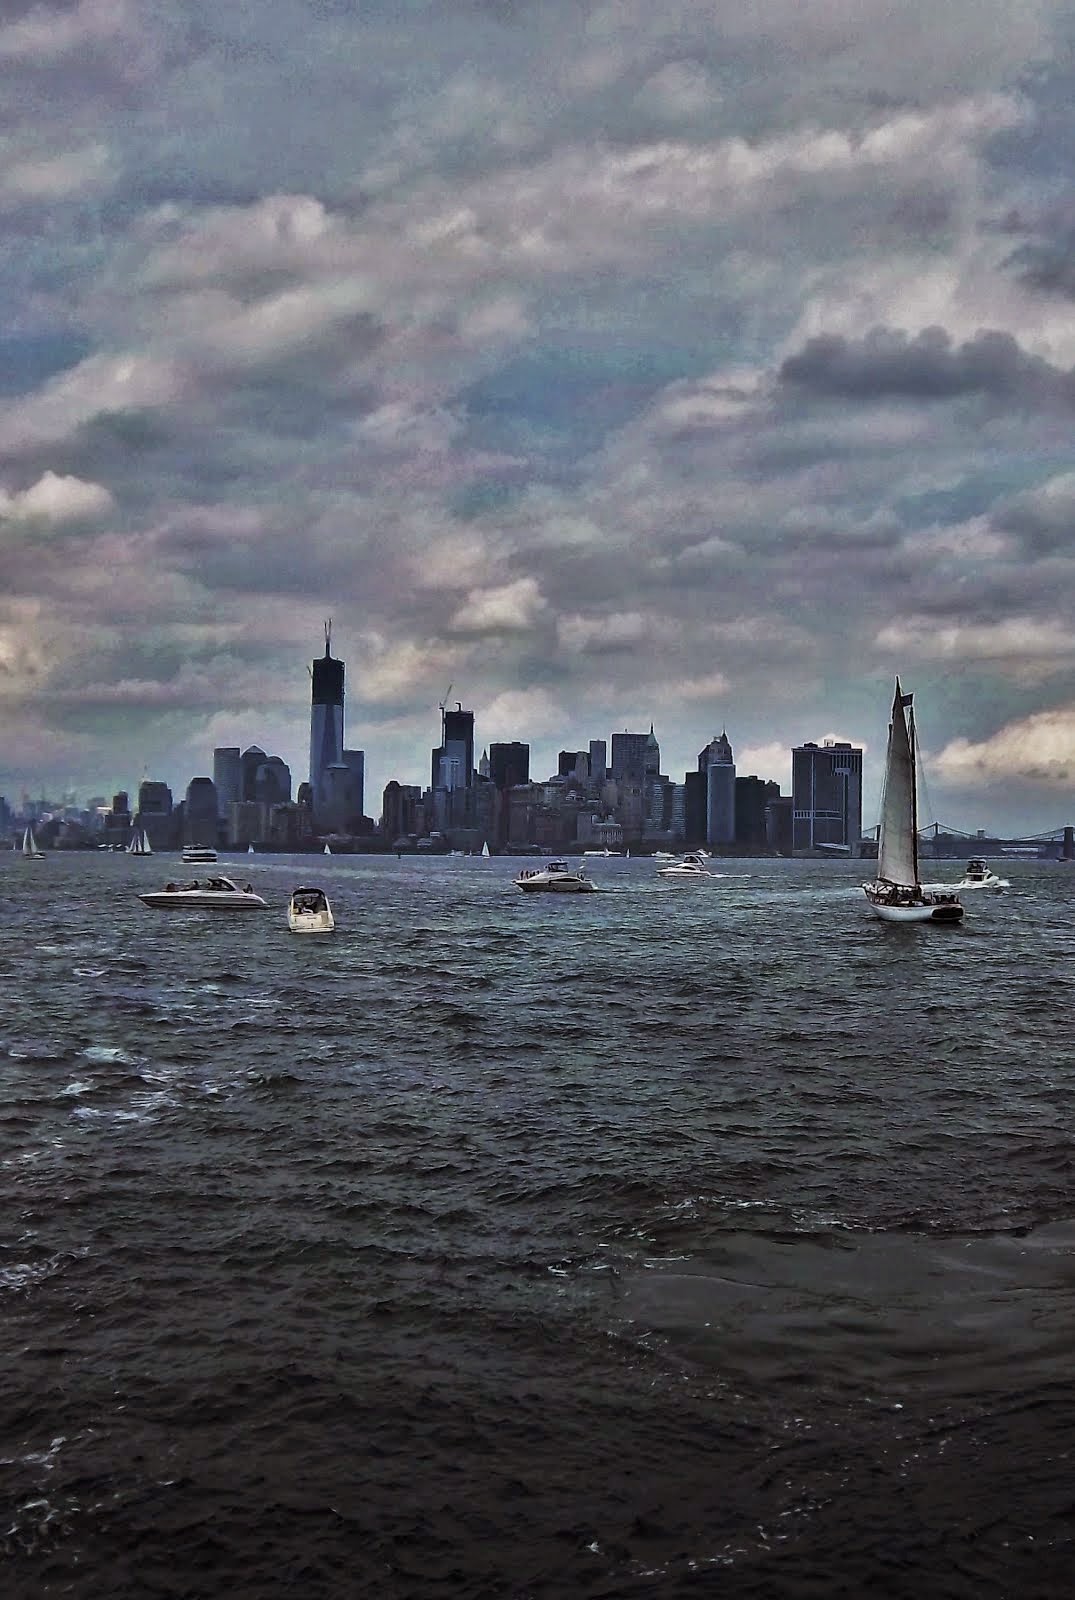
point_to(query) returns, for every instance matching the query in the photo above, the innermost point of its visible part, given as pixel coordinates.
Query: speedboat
(215, 894)
(308, 911)
(665, 855)
(979, 875)
(557, 877)
(605, 852)
(199, 855)
(692, 866)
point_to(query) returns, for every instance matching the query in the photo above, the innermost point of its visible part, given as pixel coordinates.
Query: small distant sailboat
(328, 848)
(485, 850)
(897, 894)
(250, 849)
(30, 851)
(140, 845)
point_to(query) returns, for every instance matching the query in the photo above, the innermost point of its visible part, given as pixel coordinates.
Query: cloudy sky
(674, 360)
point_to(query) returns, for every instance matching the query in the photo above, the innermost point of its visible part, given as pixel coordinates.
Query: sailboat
(897, 894)
(140, 845)
(485, 850)
(328, 849)
(29, 847)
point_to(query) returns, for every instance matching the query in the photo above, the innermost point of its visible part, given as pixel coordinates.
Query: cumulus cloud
(1038, 749)
(56, 499)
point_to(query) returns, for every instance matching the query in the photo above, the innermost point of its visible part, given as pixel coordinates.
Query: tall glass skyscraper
(326, 719)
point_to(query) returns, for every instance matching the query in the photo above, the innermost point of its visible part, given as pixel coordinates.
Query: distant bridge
(1063, 835)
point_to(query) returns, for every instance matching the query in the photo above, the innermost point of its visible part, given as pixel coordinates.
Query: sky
(692, 362)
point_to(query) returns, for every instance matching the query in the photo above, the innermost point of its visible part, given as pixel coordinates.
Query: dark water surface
(687, 1238)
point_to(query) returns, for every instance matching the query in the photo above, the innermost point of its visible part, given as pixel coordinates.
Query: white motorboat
(199, 855)
(556, 878)
(215, 894)
(29, 851)
(980, 875)
(897, 894)
(665, 855)
(308, 911)
(605, 852)
(691, 866)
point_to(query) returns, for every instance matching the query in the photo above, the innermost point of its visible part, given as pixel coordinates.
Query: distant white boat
(485, 850)
(308, 911)
(30, 852)
(140, 845)
(897, 894)
(605, 852)
(979, 875)
(692, 866)
(199, 855)
(328, 849)
(250, 849)
(555, 878)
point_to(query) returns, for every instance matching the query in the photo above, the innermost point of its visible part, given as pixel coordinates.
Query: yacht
(556, 877)
(605, 852)
(308, 911)
(215, 894)
(199, 855)
(691, 866)
(979, 875)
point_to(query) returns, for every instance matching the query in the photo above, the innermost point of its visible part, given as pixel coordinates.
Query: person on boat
(248, 888)
(171, 888)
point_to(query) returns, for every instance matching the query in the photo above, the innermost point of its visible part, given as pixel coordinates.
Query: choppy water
(687, 1238)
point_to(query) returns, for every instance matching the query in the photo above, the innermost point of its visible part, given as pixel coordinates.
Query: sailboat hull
(926, 909)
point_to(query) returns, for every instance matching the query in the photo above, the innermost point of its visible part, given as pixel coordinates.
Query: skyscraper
(228, 776)
(826, 790)
(458, 745)
(326, 719)
(718, 764)
(629, 756)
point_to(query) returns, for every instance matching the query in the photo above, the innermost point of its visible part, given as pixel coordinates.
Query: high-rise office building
(249, 762)
(201, 813)
(629, 756)
(509, 764)
(457, 744)
(598, 761)
(326, 719)
(826, 792)
(718, 764)
(228, 776)
(752, 795)
(355, 762)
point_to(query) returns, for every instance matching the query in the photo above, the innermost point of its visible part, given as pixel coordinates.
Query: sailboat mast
(912, 731)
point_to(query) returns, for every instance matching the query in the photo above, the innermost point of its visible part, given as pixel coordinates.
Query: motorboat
(214, 894)
(897, 894)
(691, 866)
(199, 855)
(980, 875)
(308, 911)
(605, 852)
(665, 855)
(556, 878)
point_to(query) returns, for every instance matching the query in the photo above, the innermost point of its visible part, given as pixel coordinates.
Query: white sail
(485, 848)
(29, 844)
(897, 850)
(147, 848)
(328, 850)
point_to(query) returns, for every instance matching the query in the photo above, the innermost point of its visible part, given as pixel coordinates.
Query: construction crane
(443, 701)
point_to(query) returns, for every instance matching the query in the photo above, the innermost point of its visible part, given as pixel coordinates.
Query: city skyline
(615, 363)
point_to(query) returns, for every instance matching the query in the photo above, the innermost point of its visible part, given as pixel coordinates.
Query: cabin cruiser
(199, 854)
(308, 911)
(692, 866)
(979, 875)
(556, 877)
(214, 894)
(605, 852)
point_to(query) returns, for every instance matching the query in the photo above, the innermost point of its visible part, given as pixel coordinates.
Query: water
(687, 1238)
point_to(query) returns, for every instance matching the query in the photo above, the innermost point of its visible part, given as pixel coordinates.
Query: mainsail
(897, 851)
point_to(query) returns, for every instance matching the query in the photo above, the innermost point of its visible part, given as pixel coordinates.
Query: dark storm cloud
(928, 366)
